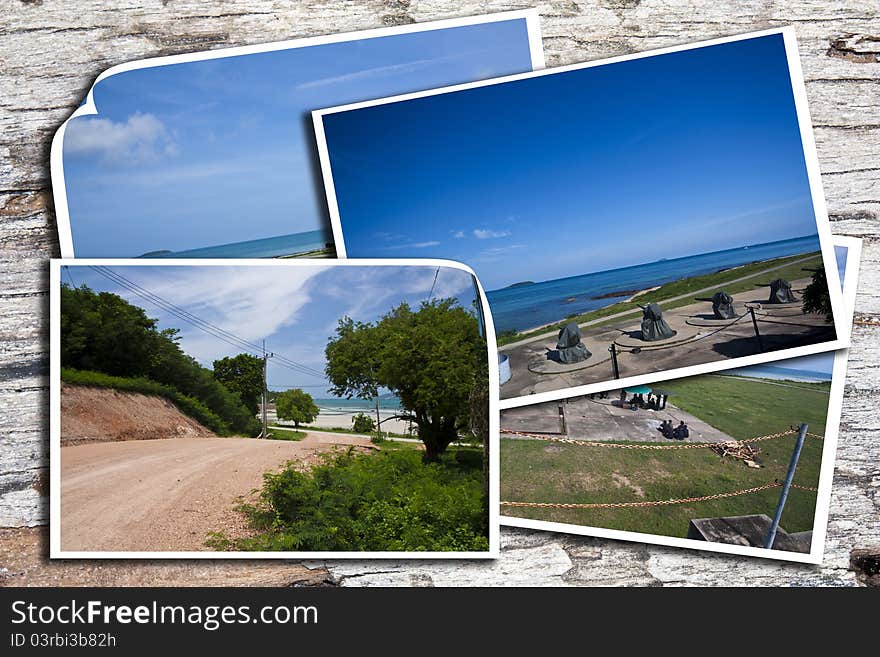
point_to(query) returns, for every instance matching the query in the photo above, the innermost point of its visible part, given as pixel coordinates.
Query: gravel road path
(167, 495)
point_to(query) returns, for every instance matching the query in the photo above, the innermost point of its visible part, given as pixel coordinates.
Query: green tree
(817, 299)
(353, 352)
(101, 331)
(242, 374)
(296, 405)
(429, 358)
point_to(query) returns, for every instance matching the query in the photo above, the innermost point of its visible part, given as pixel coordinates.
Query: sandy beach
(337, 419)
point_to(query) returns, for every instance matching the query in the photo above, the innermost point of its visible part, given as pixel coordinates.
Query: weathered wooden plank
(50, 52)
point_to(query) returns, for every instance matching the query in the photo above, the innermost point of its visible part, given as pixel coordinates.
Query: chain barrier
(653, 503)
(651, 446)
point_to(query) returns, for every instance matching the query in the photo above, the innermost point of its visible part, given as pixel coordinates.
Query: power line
(431, 293)
(212, 329)
(69, 275)
(189, 317)
(170, 307)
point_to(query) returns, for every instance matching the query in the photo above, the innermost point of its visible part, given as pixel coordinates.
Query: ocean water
(270, 247)
(336, 406)
(530, 306)
(780, 373)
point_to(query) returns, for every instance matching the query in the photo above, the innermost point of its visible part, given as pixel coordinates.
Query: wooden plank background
(51, 51)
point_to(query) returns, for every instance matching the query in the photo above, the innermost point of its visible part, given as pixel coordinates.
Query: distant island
(155, 254)
(520, 284)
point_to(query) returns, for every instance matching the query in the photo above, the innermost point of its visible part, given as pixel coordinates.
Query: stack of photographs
(601, 299)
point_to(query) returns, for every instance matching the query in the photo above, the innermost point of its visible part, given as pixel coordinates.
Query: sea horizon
(780, 374)
(520, 307)
(266, 247)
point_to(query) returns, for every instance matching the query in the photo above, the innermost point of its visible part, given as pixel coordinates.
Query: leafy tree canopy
(430, 358)
(242, 374)
(817, 299)
(296, 406)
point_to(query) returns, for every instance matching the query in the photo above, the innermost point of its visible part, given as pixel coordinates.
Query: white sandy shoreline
(343, 420)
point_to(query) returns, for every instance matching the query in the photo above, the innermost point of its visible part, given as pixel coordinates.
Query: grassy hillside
(103, 335)
(187, 405)
(535, 471)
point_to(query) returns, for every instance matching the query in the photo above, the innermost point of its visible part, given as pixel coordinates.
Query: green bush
(387, 501)
(361, 423)
(187, 405)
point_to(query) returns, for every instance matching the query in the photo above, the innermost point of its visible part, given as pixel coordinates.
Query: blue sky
(295, 309)
(220, 151)
(582, 171)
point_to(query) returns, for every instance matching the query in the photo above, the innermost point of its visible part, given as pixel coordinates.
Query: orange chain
(621, 505)
(601, 443)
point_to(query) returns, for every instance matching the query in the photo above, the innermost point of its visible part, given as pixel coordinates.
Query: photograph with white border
(700, 462)
(645, 216)
(211, 154)
(271, 409)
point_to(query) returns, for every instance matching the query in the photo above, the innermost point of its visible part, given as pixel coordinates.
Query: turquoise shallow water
(529, 306)
(331, 405)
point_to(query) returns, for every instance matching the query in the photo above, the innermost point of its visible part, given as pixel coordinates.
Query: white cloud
(494, 254)
(375, 72)
(250, 302)
(457, 234)
(370, 291)
(485, 234)
(141, 138)
(414, 245)
(257, 302)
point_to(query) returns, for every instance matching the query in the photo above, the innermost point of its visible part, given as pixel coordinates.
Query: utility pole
(265, 396)
(783, 496)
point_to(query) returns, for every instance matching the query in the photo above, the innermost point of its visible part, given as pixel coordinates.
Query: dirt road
(167, 495)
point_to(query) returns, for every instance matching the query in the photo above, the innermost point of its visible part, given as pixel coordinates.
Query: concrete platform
(710, 321)
(714, 344)
(545, 364)
(763, 305)
(583, 418)
(683, 334)
(541, 418)
(747, 530)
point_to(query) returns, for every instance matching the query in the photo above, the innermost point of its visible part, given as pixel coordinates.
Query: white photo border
(823, 226)
(826, 468)
(55, 550)
(88, 107)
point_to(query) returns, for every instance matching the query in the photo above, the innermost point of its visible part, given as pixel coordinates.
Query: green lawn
(685, 286)
(285, 434)
(533, 471)
(359, 433)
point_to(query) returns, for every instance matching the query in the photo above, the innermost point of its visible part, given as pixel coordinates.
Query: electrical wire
(212, 329)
